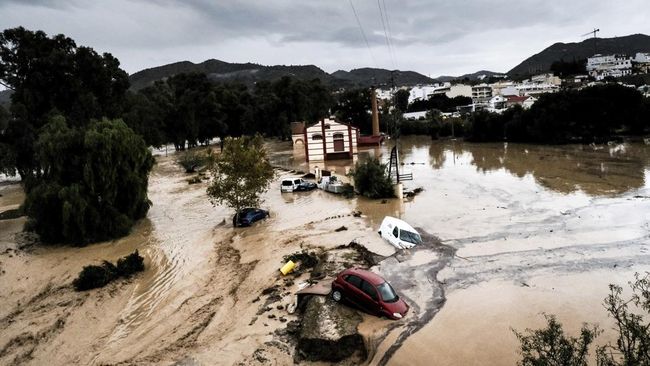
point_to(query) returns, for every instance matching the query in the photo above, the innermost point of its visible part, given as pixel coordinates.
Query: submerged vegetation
(371, 179)
(551, 346)
(94, 276)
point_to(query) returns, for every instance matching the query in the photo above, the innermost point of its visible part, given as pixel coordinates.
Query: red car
(369, 292)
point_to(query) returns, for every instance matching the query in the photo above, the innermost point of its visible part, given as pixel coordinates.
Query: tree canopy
(97, 191)
(371, 179)
(52, 75)
(241, 173)
(591, 114)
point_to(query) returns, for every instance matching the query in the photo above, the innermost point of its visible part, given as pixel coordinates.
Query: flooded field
(524, 229)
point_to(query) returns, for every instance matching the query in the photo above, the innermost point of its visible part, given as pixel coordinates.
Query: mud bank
(200, 272)
(525, 229)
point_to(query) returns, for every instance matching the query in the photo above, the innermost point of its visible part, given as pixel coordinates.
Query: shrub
(550, 346)
(94, 276)
(130, 264)
(371, 179)
(191, 161)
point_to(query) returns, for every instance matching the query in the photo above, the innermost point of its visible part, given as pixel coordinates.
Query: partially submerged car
(368, 291)
(296, 185)
(248, 216)
(331, 184)
(400, 234)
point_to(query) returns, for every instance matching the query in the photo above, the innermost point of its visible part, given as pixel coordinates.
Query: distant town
(503, 93)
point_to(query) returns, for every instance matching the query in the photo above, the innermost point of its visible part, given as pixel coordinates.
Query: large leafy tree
(94, 182)
(241, 173)
(52, 75)
(354, 107)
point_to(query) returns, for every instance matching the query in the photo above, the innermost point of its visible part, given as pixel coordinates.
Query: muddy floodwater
(511, 231)
(536, 229)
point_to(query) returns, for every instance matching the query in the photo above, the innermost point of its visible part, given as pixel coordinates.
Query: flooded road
(524, 229)
(535, 229)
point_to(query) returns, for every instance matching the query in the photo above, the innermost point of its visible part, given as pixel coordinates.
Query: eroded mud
(524, 229)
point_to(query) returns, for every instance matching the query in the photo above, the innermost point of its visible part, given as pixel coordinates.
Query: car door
(394, 236)
(370, 297)
(353, 289)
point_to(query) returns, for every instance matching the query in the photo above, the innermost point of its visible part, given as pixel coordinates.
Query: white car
(331, 184)
(295, 185)
(400, 234)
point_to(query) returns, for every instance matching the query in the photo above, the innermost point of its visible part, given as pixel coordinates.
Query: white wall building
(415, 115)
(481, 93)
(642, 57)
(600, 66)
(384, 94)
(423, 92)
(459, 90)
(329, 140)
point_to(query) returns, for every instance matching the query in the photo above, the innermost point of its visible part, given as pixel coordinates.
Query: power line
(387, 31)
(363, 33)
(383, 25)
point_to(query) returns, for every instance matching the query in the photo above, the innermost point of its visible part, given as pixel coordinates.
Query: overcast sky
(450, 37)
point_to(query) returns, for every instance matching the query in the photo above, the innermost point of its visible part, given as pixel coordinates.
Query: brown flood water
(536, 229)
(528, 229)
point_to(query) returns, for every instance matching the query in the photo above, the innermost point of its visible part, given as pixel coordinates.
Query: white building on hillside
(423, 92)
(481, 93)
(458, 90)
(642, 57)
(384, 94)
(600, 66)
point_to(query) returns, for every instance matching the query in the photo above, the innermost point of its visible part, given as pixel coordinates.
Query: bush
(191, 161)
(550, 346)
(94, 276)
(371, 179)
(130, 264)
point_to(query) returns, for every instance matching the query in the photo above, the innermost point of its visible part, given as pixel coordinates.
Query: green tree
(241, 173)
(354, 107)
(146, 118)
(402, 100)
(371, 179)
(93, 185)
(552, 347)
(53, 76)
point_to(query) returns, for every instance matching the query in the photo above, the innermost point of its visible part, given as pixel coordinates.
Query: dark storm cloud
(428, 36)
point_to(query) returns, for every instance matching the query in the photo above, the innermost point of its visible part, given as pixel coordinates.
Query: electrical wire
(382, 14)
(363, 34)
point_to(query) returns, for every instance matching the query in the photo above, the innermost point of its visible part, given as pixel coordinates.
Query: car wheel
(337, 296)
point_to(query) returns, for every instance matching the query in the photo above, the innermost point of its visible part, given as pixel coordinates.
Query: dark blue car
(248, 216)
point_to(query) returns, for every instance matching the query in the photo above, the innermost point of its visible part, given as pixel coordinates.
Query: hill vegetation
(542, 61)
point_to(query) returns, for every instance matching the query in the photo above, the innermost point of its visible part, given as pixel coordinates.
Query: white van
(295, 185)
(400, 234)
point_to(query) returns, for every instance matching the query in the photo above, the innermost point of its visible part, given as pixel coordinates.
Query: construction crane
(594, 33)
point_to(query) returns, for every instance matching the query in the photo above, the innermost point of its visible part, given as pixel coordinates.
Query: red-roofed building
(513, 100)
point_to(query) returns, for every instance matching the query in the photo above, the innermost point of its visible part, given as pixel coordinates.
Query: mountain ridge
(541, 61)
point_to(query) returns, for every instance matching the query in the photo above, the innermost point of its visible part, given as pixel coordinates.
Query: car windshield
(286, 183)
(387, 293)
(297, 181)
(410, 237)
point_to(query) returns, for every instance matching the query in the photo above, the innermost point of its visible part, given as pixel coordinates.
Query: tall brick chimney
(375, 113)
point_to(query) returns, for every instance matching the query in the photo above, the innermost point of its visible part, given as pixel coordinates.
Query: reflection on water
(595, 170)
